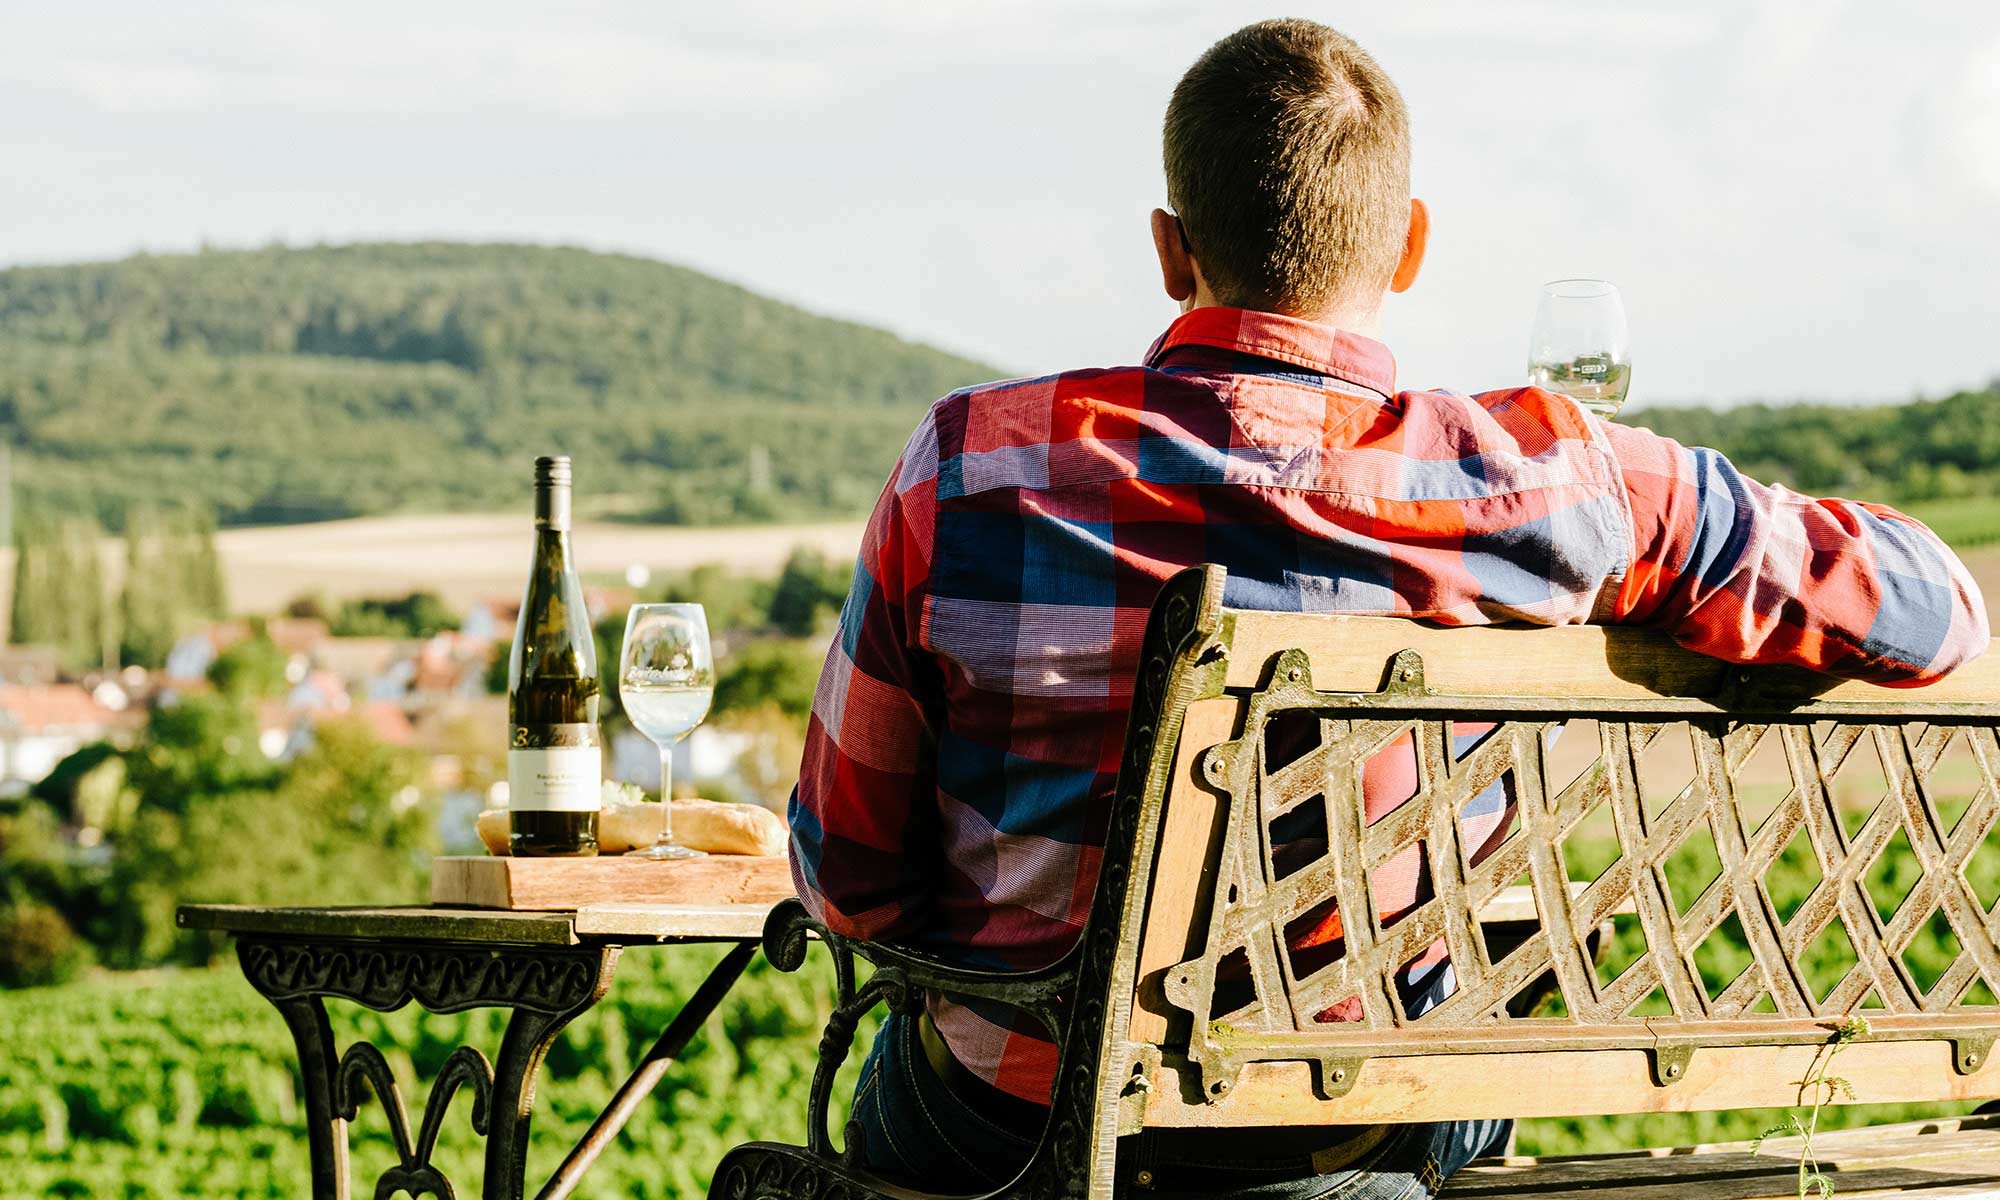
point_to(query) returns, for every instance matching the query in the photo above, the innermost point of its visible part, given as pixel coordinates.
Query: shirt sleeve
(1761, 574)
(864, 818)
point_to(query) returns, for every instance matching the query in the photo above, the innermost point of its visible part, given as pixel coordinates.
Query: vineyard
(171, 1084)
(180, 1083)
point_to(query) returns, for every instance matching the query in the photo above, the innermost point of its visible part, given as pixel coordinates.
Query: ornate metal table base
(546, 987)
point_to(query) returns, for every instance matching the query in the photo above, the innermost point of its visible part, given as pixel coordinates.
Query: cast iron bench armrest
(789, 929)
(901, 978)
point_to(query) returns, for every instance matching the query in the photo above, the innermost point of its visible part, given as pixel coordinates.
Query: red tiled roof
(389, 722)
(37, 707)
(296, 635)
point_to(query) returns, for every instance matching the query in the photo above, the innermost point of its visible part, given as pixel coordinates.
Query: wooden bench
(1182, 1006)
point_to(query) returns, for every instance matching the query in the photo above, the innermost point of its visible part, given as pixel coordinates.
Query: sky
(1798, 198)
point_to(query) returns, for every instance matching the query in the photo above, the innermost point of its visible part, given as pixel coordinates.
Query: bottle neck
(552, 508)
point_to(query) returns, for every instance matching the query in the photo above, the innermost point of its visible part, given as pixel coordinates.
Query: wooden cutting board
(483, 881)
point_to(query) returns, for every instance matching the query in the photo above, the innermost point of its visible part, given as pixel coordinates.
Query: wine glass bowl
(1580, 346)
(666, 679)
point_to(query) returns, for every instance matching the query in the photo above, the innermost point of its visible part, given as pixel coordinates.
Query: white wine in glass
(1579, 346)
(666, 678)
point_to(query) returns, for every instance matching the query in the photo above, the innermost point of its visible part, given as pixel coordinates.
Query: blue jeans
(923, 1133)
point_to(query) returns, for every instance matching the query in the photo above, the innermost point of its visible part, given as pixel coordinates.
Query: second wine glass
(666, 679)
(1579, 346)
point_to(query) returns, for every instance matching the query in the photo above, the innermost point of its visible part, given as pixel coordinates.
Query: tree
(731, 601)
(173, 580)
(37, 947)
(202, 814)
(419, 614)
(344, 823)
(201, 746)
(807, 587)
(201, 566)
(59, 588)
(313, 606)
(148, 606)
(37, 593)
(770, 671)
(252, 669)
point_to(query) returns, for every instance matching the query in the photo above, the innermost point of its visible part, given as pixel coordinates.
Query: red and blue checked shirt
(966, 732)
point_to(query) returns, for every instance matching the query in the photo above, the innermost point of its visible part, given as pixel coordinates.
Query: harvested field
(468, 558)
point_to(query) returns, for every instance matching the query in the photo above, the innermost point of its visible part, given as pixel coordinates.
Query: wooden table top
(619, 924)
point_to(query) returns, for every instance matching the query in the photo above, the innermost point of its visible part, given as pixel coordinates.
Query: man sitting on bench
(966, 733)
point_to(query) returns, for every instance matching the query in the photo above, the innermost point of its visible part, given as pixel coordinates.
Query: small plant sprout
(1818, 1089)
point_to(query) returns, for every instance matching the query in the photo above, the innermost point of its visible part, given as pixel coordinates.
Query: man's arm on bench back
(1749, 573)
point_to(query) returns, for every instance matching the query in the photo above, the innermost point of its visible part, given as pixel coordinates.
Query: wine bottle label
(555, 768)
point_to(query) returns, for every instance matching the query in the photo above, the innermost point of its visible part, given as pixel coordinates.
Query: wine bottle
(554, 765)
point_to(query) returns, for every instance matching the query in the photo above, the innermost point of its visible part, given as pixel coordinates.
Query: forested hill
(1926, 450)
(301, 384)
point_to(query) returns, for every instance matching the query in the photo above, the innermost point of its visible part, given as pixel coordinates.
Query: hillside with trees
(1926, 450)
(284, 385)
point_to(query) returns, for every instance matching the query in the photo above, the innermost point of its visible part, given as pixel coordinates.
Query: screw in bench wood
(1294, 674)
(1673, 1070)
(1143, 1178)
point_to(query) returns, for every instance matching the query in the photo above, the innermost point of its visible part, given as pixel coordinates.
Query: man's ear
(1176, 264)
(1413, 247)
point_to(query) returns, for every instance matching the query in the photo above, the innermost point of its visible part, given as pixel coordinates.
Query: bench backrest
(1702, 967)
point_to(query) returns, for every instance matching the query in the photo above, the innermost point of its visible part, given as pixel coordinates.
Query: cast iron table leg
(545, 988)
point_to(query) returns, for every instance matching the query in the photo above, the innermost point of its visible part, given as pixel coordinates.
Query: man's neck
(1366, 323)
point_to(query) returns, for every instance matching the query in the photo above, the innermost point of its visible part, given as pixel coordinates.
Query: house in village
(43, 723)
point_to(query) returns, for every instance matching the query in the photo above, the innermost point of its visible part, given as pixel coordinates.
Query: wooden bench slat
(1571, 662)
(1556, 1084)
(1952, 1157)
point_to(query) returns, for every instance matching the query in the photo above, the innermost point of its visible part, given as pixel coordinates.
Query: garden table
(546, 967)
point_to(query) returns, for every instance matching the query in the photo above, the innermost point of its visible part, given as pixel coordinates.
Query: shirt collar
(1358, 360)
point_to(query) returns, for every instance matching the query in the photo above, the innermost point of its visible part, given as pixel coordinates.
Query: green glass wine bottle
(555, 767)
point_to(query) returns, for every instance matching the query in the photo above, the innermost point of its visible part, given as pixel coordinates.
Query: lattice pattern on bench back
(1774, 872)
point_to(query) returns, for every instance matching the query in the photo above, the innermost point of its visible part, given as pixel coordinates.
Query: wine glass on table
(1579, 346)
(666, 678)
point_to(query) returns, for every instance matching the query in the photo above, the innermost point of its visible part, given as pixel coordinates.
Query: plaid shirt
(965, 736)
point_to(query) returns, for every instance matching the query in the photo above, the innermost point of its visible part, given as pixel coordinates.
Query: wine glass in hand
(666, 677)
(1579, 345)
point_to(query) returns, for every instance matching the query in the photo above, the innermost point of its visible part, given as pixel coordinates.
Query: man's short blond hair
(1288, 162)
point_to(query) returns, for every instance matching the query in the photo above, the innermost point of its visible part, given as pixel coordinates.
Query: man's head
(1288, 162)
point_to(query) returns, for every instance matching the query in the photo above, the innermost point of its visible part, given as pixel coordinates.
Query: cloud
(384, 58)
(1770, 181)
(1978, 141)
(1548, 23)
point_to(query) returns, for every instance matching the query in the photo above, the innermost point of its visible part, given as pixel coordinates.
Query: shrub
(38, 948)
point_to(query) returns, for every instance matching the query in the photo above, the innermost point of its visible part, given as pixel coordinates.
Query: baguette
(728, 828)
(698, 824)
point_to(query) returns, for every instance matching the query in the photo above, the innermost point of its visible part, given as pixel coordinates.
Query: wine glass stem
(666, 795)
